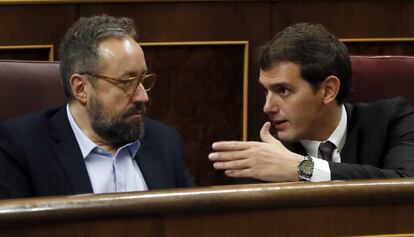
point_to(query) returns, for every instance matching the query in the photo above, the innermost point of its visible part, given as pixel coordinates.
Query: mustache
(136, 108)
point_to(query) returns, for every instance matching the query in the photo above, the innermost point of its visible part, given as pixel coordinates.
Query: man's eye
(283, 91)
(125, 83)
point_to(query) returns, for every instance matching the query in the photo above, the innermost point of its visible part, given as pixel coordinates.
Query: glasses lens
(148, 82)
(132, 83)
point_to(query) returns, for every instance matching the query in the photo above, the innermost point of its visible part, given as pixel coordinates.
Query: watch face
(306, 167)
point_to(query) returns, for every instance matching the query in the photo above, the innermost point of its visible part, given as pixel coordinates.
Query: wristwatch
(305, 169)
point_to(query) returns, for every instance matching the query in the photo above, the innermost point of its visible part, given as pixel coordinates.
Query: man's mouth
(280, 124)
(135, 114)
(138, 111)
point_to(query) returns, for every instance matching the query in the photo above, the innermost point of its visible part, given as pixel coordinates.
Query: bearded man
(99, 142)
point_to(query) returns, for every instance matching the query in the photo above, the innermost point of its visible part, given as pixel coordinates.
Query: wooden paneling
(349, 19)
(196, 83)
(387, 46)
(196, 21)
(35, 24)
(27, 52)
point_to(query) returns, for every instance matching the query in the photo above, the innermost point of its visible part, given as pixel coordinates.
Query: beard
(116, 129)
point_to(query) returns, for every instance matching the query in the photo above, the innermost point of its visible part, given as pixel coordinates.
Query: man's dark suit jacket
(39, 156)
(379, 142)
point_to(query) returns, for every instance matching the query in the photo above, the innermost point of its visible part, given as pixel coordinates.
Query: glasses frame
(115, 81)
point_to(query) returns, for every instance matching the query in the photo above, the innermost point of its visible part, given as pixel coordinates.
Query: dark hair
(78, 52)
(317, 52)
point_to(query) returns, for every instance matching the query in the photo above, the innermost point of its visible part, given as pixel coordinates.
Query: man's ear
(331, 86)
(78, 84)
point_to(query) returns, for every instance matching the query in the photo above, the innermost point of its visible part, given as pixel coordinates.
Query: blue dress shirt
(108, 173)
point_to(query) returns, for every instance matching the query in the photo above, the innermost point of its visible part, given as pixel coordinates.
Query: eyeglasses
(129, 84)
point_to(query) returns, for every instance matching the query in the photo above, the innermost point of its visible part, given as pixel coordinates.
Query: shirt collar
(87, 145)
(338, 137)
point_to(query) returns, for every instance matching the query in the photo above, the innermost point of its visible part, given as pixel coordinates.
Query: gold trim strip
(40, 46)
(385, 235)
(245, 90)
(189, 43)
(369, 40)
(245, 69)
(17, 2)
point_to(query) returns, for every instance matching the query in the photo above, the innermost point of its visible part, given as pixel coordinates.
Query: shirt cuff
(321, 170)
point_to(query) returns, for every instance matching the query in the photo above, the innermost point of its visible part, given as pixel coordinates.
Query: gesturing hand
(268, 160)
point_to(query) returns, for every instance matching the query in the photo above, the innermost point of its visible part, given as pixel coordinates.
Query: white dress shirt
(108, 173)
(321, 171)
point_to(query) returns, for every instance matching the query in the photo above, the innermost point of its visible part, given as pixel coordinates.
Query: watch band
(305, 169)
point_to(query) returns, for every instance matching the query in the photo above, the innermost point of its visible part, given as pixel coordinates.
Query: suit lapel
(151, 167)
(349, 153)
(151, 160)
(68, 152)
(147, 166)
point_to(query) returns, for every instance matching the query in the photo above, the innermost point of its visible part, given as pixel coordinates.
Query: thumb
(265, 134)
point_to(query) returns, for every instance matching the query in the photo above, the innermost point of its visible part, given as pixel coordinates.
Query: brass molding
(50, 47)
(377, 40)
(19, 2)
(245, 45)
(385, 235)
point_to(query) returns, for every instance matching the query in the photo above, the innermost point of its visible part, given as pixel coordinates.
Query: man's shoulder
(384, 103)
(388, 106)
(380, 111)
(31, 120)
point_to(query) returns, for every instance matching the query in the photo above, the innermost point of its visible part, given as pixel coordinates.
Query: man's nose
(271, 104)
(140, 95)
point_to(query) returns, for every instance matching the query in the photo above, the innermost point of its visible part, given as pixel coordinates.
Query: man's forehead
(285, 71)
(112, 47)
(125, 51)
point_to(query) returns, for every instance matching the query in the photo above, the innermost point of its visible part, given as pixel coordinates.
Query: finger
(231, 165)
(265, 134)
(241, 173)
(231, 145)
(227, 155)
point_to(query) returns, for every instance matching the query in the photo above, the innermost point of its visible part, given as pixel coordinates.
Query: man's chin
(286, 137)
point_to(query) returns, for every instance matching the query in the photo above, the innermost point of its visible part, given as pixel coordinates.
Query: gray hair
(78, 52)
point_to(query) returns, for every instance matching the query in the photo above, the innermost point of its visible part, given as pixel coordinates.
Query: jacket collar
(350, 150)
(68, 153)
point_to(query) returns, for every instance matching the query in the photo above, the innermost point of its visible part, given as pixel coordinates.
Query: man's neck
(331, 119)
(82, 119)
(337, 137)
